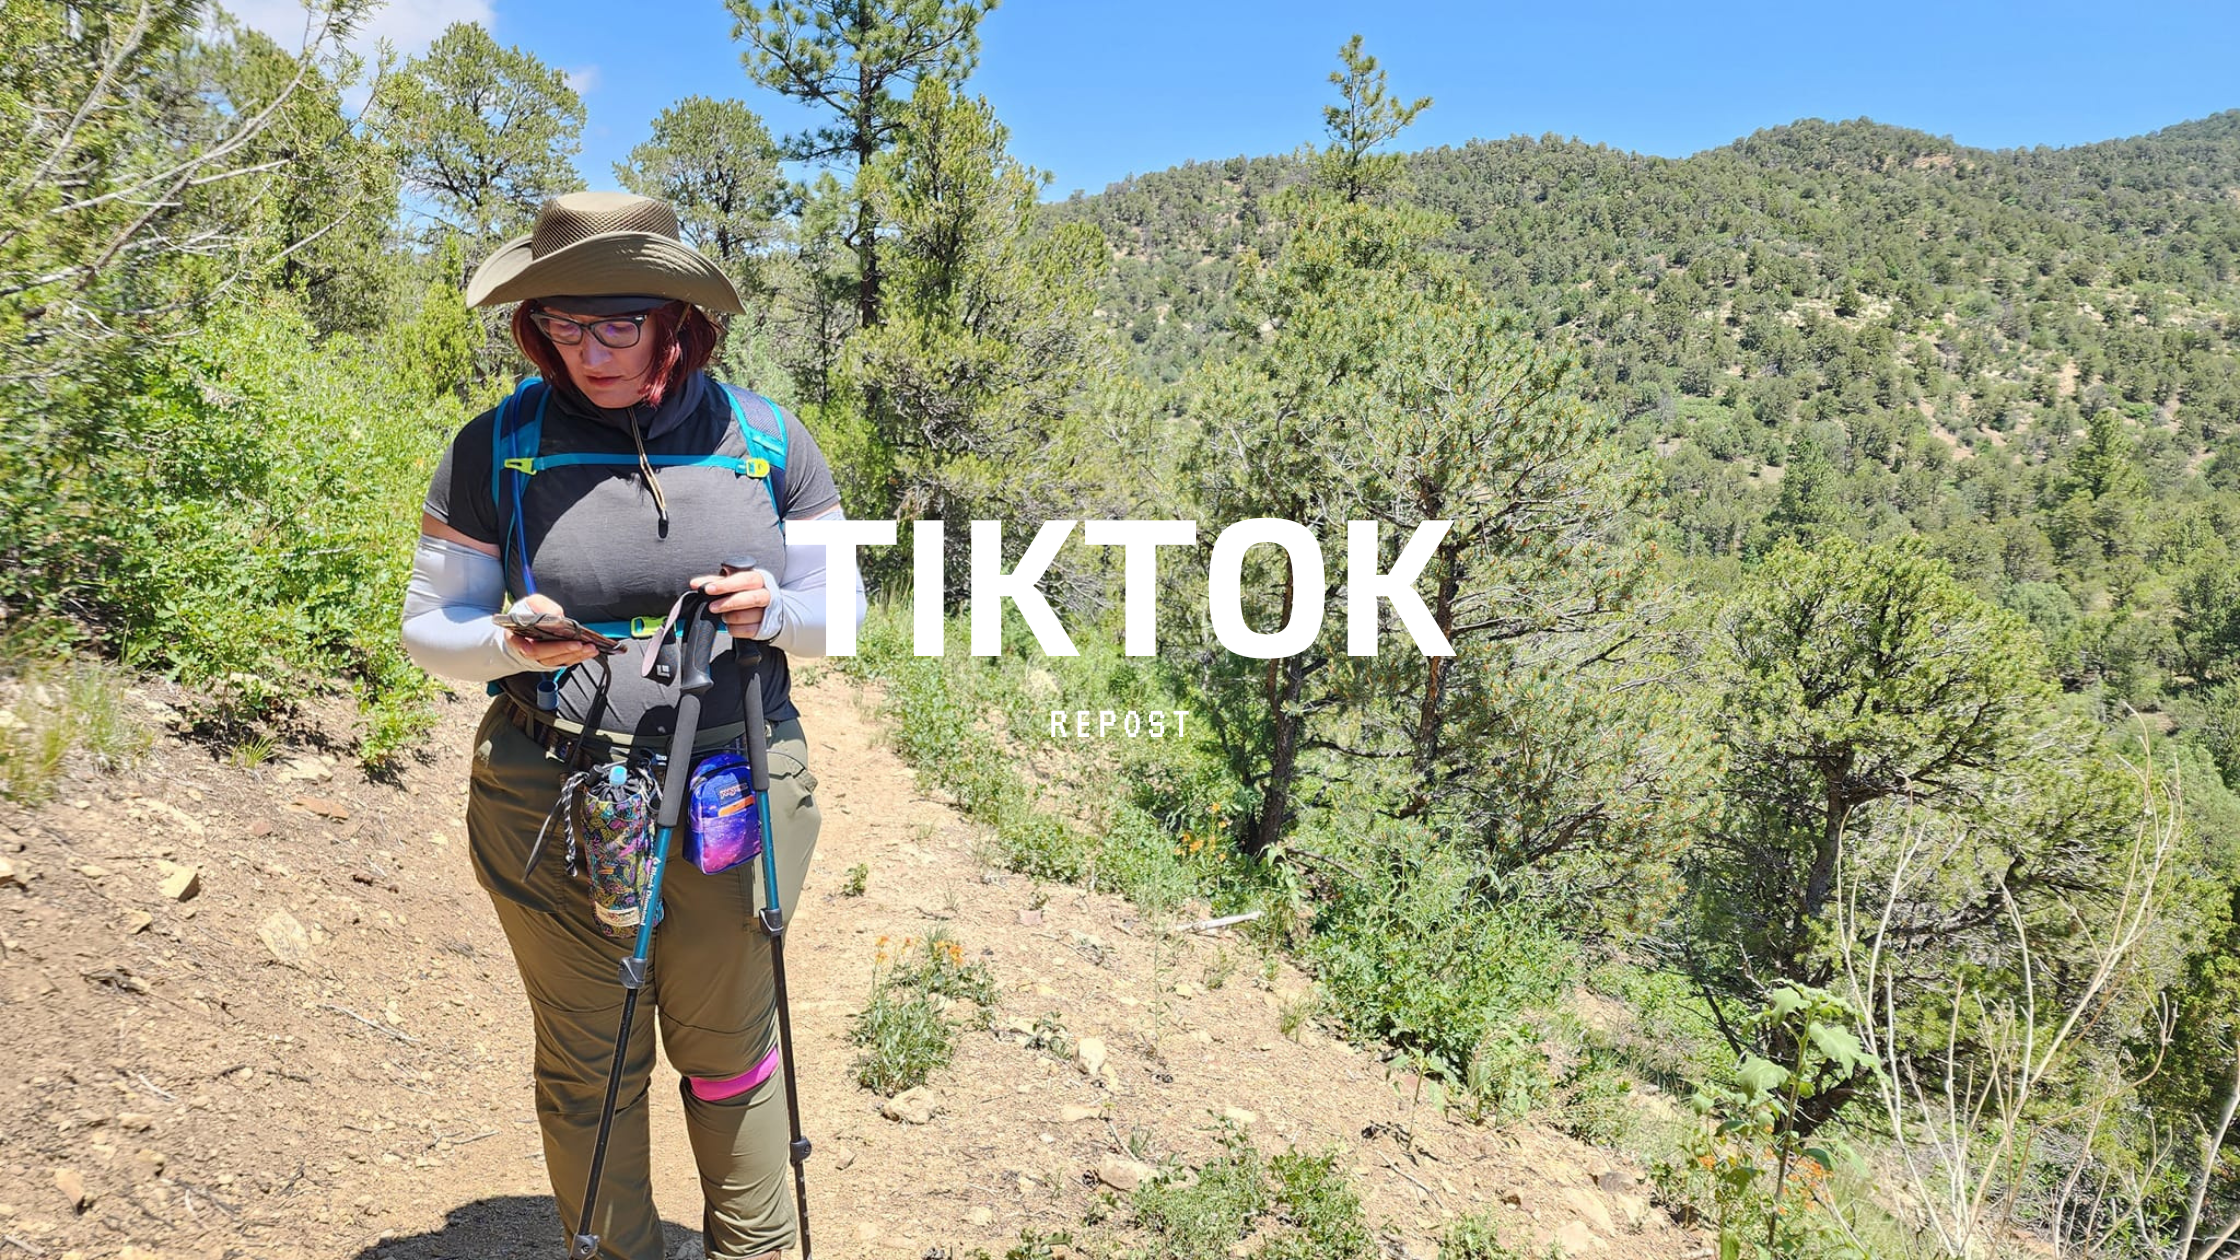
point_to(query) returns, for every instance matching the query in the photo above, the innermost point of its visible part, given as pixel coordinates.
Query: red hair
(683, 337)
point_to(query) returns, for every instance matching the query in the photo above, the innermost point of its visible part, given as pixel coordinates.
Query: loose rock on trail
(264, 1011)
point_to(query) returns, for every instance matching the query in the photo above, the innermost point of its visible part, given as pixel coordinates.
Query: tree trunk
(1432, 715)
(867, 220)
(1820, 881)
(1285, 679)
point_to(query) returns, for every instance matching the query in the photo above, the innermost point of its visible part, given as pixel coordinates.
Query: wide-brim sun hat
(602, 244)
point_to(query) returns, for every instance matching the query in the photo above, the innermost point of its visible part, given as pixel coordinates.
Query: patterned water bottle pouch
(608, 815)
(723, 823)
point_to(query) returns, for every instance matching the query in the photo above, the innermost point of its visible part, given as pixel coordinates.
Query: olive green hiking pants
(708, 982)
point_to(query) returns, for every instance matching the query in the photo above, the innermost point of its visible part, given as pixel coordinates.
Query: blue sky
(1095, 90)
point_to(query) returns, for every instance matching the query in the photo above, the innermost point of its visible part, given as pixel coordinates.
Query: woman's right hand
(543, 653)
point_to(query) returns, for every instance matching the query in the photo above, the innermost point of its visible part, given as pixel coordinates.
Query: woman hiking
(628, 476)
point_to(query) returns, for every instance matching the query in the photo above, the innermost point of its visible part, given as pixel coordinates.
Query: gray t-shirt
(595, 543)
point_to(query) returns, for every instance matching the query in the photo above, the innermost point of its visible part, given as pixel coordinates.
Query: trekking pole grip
(700, 626)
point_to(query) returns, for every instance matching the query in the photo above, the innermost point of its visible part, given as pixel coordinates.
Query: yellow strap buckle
(526, 467)
(645, 627)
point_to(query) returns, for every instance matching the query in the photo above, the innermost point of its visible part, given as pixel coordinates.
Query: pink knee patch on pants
(733, 1086)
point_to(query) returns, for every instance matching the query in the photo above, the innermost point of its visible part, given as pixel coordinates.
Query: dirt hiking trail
(266, 1012)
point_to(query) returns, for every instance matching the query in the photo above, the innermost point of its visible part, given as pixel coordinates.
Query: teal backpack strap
(763, 426)
(515, 437)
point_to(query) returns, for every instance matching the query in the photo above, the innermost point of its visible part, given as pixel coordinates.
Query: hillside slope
(323, 1052)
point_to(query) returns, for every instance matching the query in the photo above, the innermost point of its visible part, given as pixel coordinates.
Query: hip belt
(565, 740)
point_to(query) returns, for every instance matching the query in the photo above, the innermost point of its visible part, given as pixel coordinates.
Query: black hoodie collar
(653, 422)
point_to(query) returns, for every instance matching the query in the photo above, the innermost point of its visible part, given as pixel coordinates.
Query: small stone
(1183, 988)
(93, 871)
(1073, 1113)
(180, 882)
(1088, 1055)
(1613, 1181)
(72, 1184)
(8, 874)
(1030, 918)
(980, 1216)
(135, 1121)
(911, 1106)
(1124, 1174)
(261, 827)
(137, 921)
(187, 822)
(866, 1231)
(285, 937)
(1591, 1209)
(1576, 1239)
(439, 840)
(846, 1157)
(306, 770)
(149, 1164)
(1238, 1116)
(323, 807)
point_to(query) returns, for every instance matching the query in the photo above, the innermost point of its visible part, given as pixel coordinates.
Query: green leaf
(1784, 1002)
(1761, 1078)
(1840, 1046)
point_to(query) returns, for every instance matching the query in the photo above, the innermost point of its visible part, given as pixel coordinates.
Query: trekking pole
(748, 654)
(693, 681)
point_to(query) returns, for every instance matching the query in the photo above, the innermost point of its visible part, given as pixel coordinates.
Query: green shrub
(1474, 1238)
(905, 1032)
(1318, 1215)
(1595, 1102)
(939, 968)
(1150, 826)
(905, 1039)
(237, 508)
(1324, 1213)
(1422, 954)
(1201, 1220)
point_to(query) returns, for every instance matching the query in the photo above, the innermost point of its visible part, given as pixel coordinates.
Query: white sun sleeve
(447, 607)
(794, 623)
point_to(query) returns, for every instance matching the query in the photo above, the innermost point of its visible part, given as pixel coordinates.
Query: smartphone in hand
(554, 628)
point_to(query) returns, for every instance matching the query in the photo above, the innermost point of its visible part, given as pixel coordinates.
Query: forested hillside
(2028, 358)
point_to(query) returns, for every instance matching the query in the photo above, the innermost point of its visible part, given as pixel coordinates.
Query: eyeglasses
(618, 333)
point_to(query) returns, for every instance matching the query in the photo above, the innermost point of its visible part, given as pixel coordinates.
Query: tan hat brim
(612, 263)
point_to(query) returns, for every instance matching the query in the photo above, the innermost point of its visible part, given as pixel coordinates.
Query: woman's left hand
(743, 596)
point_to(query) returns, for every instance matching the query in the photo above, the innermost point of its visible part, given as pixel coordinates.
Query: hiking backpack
(516, 457)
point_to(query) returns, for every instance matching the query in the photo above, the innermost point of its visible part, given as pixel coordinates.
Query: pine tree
(858, 60)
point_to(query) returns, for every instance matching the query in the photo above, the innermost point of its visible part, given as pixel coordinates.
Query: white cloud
(583, 79)
(411, 25)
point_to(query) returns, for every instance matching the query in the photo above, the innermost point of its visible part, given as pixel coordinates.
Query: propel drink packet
(723, 820)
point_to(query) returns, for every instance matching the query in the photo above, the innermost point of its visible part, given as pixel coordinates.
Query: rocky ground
(265, 1012)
